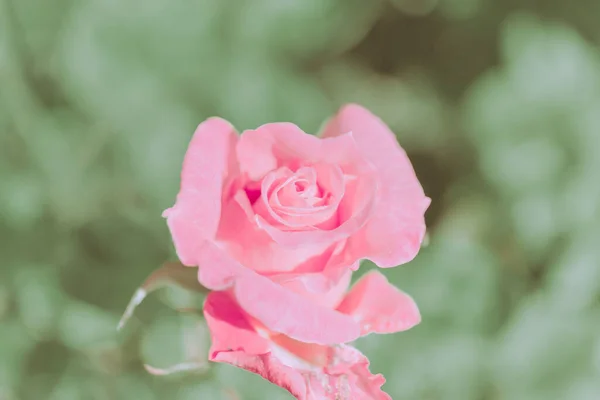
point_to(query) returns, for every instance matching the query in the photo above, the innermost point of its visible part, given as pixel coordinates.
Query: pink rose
(280, 219)
(310, 371)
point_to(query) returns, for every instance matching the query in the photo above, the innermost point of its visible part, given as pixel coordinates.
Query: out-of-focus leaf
(573, 283)
(558, 343)
(171, 273)
(83, 326)
(410, 105)
(257, 91)
(304, 28)
(460, 9)
(22, 200)
(186, 349)
(15, 344)
(39, 299)
(415, 7)
(549, 63)
(203, 390)
(130, 385)
(469, 272)
(5, 297)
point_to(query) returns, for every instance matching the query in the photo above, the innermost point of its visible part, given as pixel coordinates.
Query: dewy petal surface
(396, 228)
(208, 161)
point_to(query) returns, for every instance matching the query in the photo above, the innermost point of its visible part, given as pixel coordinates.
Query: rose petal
(349, 380)
(283, 206)
(286, 145)
(358, 216)
(197, 211)
(234, 341)
(229, 328)
(255, 249)
(273, 145)
(307, 371)
(271, 369)
(379, 306)
(396, 228)
(349, 374)
(329, 298)
(277, 308)
(319, 275)
(316, 282)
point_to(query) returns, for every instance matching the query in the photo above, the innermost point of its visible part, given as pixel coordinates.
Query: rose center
(302, 198)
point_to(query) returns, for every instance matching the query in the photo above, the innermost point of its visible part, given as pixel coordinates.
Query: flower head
(280, 219)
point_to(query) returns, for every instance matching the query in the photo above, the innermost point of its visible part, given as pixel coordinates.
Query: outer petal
(379, 306)
(230, 328)
(329, 298)
(277, 308)
(349, 374)
(396, 229)
(208, 161)
(271, 145)
(320, 278)
(235, 342)
(255, 249)
(332, 372)
(307, 371)
(271, 369)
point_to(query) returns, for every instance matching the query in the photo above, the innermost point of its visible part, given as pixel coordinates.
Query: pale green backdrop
(496, 102)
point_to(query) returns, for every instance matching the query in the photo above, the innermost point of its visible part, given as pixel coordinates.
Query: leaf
(175, 357)
(170, 273)
(195, 366)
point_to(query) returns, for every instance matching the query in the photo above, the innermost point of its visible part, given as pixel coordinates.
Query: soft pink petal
(254, 248)
(358, 206)
(331, 372)
(379, 306)
(261, 150)
(316, 282)
(396, 228)
(283, 205)
(271, 369)
(329, 298)
(319, 275)
(349, 374)
(273, 145)
(288, 146)
(262, 206)
(307, 371)
(234, 341)
(197, 211)
(348, 379)
(277, 308)
(229, 328)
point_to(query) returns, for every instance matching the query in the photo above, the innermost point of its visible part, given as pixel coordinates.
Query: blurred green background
(496, 102)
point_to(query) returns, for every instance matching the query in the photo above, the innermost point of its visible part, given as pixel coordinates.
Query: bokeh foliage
(496, 102)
